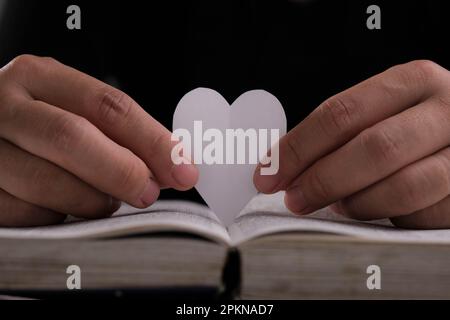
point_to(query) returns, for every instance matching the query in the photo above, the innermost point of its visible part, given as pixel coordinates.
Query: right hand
(72, 145)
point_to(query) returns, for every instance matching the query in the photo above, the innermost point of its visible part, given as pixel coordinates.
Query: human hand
(377, 150)
(72, 145)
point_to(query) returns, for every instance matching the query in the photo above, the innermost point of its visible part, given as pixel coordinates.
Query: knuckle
(443, 168)
(41, 178)
(8, 106)
(155, 149)
(425, 68)
(380, 146)
(128, 177)
(294, 148)
(125, 177)
(22, 64)
(66, 131)
(421, 72)
(113, 106)
(336, 115)
(443, 101)
(411, 195)
(318, 189)
(48, 60)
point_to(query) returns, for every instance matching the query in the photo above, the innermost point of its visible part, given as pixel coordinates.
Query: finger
(46, 185)
(17, 213)
(340, 118)
(372, 156)
(109, 109)
(413, 188)
(434, 217)
(74, 144)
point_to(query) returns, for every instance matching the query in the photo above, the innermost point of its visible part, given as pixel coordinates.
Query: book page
(267, 214)
(163, 216)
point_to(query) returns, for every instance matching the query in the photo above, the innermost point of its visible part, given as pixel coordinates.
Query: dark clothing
(301, 51)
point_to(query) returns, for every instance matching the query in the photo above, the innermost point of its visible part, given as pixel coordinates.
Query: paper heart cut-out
(227, 188)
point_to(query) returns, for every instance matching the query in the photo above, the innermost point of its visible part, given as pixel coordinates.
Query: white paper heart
(227, 188)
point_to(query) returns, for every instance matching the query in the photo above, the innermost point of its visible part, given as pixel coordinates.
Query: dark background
(156, 51)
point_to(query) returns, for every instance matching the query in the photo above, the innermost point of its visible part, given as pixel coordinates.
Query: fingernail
(150, 193)
(266, 184)
(295, 201)
(185, 174)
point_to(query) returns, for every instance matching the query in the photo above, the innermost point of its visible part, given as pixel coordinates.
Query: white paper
(162, 216)
(264, 215)
(227, 188)
(267, 214)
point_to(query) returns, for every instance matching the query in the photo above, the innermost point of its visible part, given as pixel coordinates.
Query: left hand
(377, 150)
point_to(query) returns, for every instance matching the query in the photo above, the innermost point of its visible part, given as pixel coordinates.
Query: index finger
(116, 114)
(343, 116)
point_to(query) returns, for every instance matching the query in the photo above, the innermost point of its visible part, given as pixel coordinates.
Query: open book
(266, 253)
